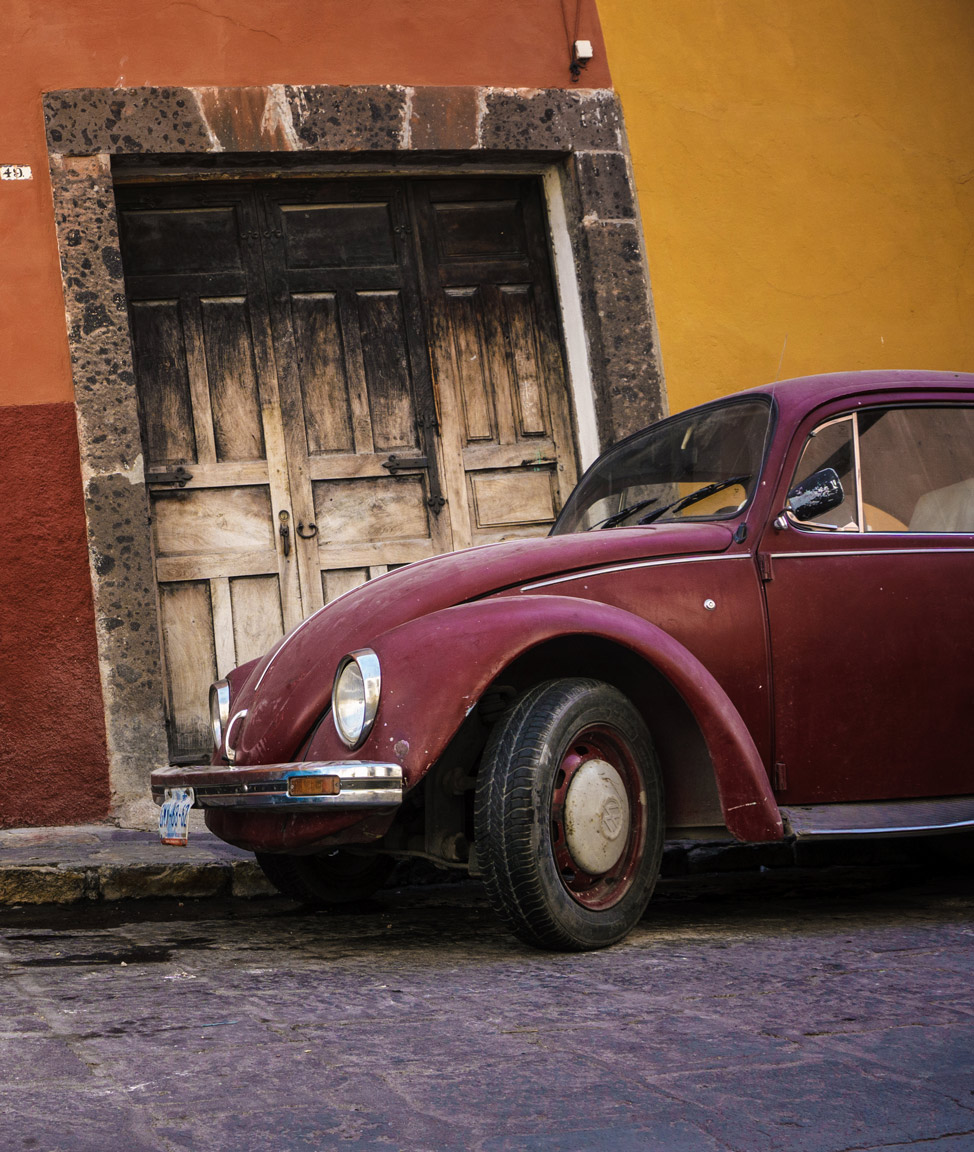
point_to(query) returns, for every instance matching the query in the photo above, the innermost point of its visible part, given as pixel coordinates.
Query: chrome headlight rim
(219, 710)
(354, 729)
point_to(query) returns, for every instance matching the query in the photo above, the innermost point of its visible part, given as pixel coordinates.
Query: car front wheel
(569, 816)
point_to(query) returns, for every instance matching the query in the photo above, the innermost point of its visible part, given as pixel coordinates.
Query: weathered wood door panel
(500, 381)
(356, 374)
(345, 308)
(209, 404)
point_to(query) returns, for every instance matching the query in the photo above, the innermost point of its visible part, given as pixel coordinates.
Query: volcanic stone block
(335, 119)
(605, 185)
(41, 885)
(551, 121)
(82, 122)
(191, 880)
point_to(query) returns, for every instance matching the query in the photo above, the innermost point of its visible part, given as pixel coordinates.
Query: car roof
(806, 392)
(803, 394)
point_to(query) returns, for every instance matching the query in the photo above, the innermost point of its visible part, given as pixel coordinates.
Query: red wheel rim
(598, 891)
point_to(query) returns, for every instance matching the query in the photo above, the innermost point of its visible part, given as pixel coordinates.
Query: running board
(886, 818)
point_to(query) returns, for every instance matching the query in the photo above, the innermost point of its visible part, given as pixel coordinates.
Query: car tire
(569, 819)
(326, 880)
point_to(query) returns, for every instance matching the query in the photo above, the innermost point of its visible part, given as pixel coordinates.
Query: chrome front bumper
(344, 785)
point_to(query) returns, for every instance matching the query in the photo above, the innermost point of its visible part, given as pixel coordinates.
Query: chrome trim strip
(892, 830)
(227, 746)
(219, 710)
(284, 643)
(363, 784)
(371, 673)
(871, 552)
(879, 818)
(314, 615)
(860, 511)
(635, 564)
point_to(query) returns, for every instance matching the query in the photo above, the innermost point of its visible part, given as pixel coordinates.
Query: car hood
(286, 692)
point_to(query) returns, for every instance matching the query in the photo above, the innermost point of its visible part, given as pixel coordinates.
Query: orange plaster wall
(99, 44)
(806, 179)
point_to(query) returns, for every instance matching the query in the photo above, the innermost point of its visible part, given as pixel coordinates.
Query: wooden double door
(335, 378)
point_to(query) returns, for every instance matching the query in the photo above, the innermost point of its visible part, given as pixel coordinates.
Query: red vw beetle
(753, 618)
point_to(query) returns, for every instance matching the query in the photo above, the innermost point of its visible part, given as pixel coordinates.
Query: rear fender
(436, 668)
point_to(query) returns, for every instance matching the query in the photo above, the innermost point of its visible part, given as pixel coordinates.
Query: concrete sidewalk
(101, 862)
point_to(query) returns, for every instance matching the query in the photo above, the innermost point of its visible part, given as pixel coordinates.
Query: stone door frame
(575, 140)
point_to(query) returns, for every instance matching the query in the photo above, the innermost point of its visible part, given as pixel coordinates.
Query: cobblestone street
(807, 1014)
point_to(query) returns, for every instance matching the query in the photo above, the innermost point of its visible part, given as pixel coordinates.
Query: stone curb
(69, 884)
(103, 863)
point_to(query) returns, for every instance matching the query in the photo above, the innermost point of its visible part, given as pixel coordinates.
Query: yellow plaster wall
(806, 180)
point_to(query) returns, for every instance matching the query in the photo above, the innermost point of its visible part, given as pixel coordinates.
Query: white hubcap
(596, 817)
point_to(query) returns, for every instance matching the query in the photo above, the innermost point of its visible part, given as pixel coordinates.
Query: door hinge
(764, 566)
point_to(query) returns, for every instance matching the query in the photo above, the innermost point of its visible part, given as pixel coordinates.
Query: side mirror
(818, 493)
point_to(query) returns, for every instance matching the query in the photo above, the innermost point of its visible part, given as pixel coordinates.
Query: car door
(871, 607)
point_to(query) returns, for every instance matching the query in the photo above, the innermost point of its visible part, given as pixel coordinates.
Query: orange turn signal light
(314, 786)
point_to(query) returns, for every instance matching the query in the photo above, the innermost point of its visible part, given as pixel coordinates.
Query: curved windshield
(701, 465)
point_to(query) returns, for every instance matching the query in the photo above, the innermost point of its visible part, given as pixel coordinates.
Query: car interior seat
(949, 509)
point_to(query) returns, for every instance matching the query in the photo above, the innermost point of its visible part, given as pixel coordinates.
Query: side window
(917, 469)
(832, 445)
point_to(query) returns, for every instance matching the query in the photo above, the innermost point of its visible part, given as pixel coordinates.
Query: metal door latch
(397, 464)
(178, 477)
(285, 532)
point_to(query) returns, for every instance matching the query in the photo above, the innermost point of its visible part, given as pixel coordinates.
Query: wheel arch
(703, 743)
(689, 775)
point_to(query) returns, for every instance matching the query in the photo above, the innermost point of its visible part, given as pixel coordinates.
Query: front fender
(436, 668)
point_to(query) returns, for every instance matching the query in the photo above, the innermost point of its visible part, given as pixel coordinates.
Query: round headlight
(355, 696)
(219, 709)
